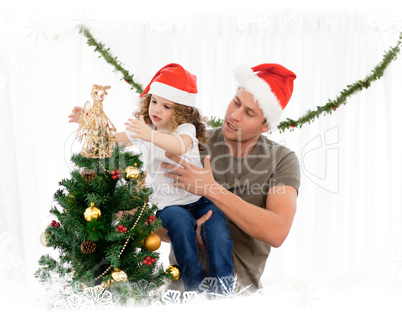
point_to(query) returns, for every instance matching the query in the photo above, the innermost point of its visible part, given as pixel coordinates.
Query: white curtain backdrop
(348, 227)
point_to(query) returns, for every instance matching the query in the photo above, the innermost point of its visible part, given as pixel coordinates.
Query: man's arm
(270, 225)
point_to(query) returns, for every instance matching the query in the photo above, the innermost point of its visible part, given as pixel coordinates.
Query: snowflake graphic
(190, 296)
(305, 297)
(46, 27)
(37, 28)
(307, 16)
(210, 285)
(83, 17)
(143, 293)
(98, 296)
(160, 23)
(74, 302)
(59, 292)
(92, 298)
(229, 288)
(171, 297)
(390, 25)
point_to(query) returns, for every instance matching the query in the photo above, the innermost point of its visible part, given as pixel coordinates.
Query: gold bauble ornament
(152, 242)
(132, 172)
(175, 272)
(43, 240)
(119, 276)
(92, 213)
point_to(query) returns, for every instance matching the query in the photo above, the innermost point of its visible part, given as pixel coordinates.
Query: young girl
(168, 121)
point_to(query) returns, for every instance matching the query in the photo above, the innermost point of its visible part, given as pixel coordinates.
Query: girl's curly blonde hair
(181, 114)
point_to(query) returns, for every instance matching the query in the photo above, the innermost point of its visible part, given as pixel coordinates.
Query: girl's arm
(122, 138)
(175, 144)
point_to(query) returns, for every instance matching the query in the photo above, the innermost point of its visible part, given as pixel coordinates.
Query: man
(253, 180)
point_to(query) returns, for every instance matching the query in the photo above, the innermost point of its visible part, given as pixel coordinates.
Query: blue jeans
(181, 224)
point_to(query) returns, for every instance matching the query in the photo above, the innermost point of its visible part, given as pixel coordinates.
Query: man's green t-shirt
(269, 164)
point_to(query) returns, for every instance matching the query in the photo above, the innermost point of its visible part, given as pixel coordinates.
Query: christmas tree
(104, 227)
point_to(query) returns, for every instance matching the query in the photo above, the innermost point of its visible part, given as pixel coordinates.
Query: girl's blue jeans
(181, 224)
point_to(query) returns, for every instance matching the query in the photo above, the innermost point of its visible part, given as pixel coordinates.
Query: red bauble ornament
(53, 223)
(151, 218)
(121, 229)
(115, 174)
(148, 261)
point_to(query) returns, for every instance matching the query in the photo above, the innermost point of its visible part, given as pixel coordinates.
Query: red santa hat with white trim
(271, 85)
(174, 83)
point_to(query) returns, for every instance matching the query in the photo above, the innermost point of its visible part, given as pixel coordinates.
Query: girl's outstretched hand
(139, 128)
(76, 115)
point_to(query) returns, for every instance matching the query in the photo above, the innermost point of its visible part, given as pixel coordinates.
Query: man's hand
(76, 115)
(139, 128)
(201, 221)
(162, 232)
(196, 180)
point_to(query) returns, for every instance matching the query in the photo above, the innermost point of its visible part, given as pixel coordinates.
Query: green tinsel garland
(290, 124)
(100, 47)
